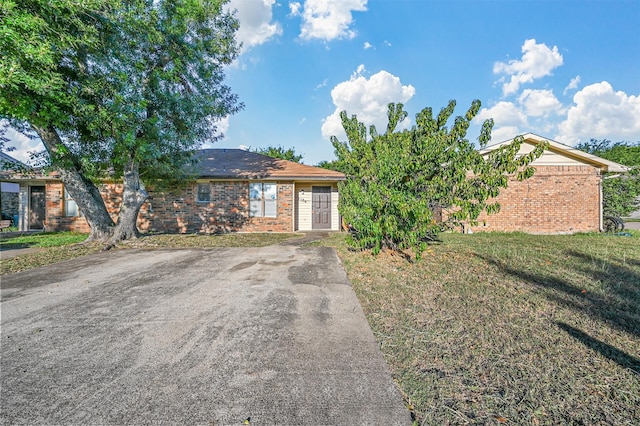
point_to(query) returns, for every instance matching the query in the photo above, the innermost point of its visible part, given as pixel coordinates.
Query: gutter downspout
(601, 202)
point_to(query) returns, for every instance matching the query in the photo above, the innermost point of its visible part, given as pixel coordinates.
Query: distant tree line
(620, 191)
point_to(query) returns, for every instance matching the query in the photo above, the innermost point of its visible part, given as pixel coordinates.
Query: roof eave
(268, 177)
(569, 151)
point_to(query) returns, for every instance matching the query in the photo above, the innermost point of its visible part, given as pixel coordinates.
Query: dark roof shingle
(225, 163)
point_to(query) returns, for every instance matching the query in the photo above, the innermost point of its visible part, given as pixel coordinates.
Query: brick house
(8, 190)
(564, 196)
(235, 191)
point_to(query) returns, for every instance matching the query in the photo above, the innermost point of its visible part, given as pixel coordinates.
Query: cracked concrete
(194, 336)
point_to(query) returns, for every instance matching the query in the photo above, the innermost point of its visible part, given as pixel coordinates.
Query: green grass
(57, 247)
(509, 328)
(43, 239)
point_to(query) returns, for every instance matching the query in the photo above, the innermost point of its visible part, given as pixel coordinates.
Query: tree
(619, 192)
(280, 152)
(42, 44)
(132, 90)
(330, 165)
(396, 181)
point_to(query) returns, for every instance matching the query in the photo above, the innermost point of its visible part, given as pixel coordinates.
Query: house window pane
(270, 208)
(255, 191)
(204, 192)
(263, 199)
(270, 199)
(70, 206)
(255, 208)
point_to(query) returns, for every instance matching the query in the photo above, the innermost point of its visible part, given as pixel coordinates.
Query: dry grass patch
(509, 328)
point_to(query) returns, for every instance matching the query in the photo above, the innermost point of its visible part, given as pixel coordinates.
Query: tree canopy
(620, 192)
(131, 88)
(280, 152)
(398, 181)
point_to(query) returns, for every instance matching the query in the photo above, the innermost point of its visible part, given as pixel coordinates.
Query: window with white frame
(263, 199)
(204, 192)
(70, 206)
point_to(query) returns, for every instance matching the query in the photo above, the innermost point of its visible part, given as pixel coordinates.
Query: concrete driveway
(211, 337)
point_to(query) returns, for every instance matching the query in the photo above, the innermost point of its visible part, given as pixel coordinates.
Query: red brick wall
(180, 212)
(556, 200)
(55, 215)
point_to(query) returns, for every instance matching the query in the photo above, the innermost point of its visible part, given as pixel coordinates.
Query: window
(263, 199)
(70, 206)
(204, 192)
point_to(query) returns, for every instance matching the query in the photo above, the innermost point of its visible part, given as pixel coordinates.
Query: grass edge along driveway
(489, 328)
(509, 328)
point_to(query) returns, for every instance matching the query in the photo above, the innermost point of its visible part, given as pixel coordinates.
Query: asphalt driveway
(209, 336)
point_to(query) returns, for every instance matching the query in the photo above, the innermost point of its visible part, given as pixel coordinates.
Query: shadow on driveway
(209, 336)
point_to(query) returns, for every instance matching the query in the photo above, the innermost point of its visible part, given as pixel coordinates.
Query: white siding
(550, 158)
(303, 205)
(335, 216)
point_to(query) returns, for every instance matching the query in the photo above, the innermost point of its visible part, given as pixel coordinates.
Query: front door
(321, 207)
(37, 207)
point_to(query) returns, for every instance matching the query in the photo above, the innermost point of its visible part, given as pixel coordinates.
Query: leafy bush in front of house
(398, 181)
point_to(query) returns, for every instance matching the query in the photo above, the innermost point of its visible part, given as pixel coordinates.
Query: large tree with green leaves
(620, 192)
(397, 181)
(127, 89)
(280, 152)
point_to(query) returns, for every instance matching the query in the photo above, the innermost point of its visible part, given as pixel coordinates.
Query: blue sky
(566, 70)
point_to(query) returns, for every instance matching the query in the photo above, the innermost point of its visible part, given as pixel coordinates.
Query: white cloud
(294, 8)
(255, 22)
(329, 19)
(538, 60)
(509, 120)
(359, 71)
(22, 144)
(538, 103)
(367, 45)
(501, 134)
(573, 84)
(503, 114)
(366, 98)
(323, 84)
(600, 112)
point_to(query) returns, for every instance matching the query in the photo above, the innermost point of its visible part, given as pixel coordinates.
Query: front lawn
(42, 239)
(509, 328)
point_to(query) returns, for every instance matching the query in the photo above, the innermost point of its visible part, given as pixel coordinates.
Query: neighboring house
(564, 195)
(235, 191)
(9, 205)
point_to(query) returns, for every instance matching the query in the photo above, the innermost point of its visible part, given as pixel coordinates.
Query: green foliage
(399, 181)
(128, 88)
(331, 165)
(620, 192)
(40, 41)
(121, 82)
(621, 152)
(46, 239)
(280, 152)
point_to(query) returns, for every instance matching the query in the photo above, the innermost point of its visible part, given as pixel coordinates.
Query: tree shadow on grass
(618, 305)
(621, 358)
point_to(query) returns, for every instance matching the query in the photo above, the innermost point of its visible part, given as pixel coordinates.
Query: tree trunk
(133, 197)
(82, 190)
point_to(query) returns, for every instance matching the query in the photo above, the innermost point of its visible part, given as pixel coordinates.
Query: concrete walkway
(210, 336)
